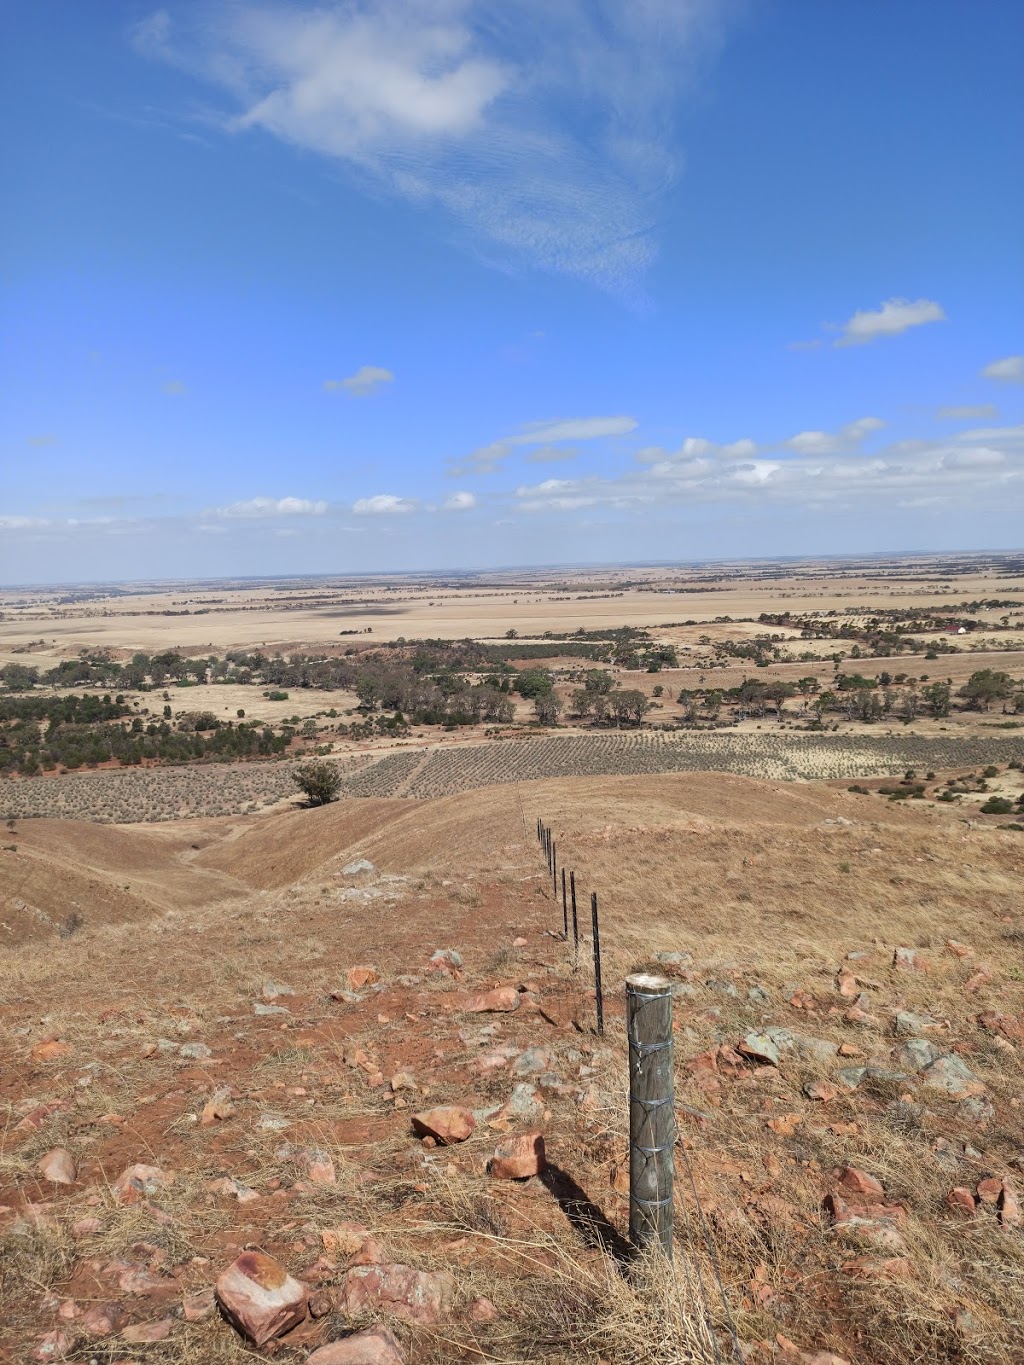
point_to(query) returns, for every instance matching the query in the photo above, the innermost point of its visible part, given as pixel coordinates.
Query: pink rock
(104, 1319)
(58, 1166)
(482, 1310)
(502, 1000)
(36, 1117)
(199, 1305)
(421, 1296)
(260, 1298)
(358, 977)
(138, 1182)
(1009, 1207)
(980, 978)
(520, 942)
(958, 949)
(518, 1157)
(87, 1227)
(907, 960)
(446, 1124)
(149, 1331)
(375, 1347)
(53, 1346)
(51, 1051)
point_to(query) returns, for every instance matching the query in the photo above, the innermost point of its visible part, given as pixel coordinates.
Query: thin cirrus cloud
(366, 380)
(545, 438)
(173, 387)
(967, 412)
(892, 318)
(1009, 370)
(383, 505)
(258, 508)
(462, 104)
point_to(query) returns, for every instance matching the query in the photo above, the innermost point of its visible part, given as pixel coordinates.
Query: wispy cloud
(892, 318)
(977, 412)
(462, 103)
(45, 438)
(271, 507)
(383, 505)
(365, 381)
(545, 436)
(174, 387)
(1009, 370)
(834, 442)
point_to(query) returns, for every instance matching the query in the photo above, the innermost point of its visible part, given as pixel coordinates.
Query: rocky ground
(357, 1110)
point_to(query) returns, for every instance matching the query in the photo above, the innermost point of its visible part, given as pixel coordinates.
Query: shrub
(997, 805)
(318, 780)
(277, 696)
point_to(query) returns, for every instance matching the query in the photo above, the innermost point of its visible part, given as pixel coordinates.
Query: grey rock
(195, 1051)
(681, 959)
(355, 868)
(975, 1109)
(269, 1009)
(918, 1053)
(524, 1102)
(723, 988)
(447, 957)
(811, 1049)
(683, 990)
(531, 1062)
(851, 1076)
(272, 989)
(763, 1047)
(950, 1073)
(759, 995)
(907, 1022)
(274, 1122)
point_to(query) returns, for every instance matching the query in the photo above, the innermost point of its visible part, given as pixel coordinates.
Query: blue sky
(459, 283)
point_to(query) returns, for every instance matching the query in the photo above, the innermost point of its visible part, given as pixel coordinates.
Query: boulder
(447, 1124)
(960, 1200)
(58, 1166)
(518, 1157)
(421, 1296)
(952, 1074)
(377, 1346)
(502, 1000)
(258, 1297)
(852, 1178)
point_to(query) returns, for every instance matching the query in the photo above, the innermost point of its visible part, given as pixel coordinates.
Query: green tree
(318, 780)
(937, 698)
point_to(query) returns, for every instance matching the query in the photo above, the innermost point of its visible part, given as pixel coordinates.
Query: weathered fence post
(575, 921)
(565, 910)
(652, 1128)
(597, 962)
(554, 870)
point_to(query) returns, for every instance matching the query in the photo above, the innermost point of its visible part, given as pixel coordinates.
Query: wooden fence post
(652, 1127)
(565, 909)
(575, 921)
(554, 870)
(597, 961)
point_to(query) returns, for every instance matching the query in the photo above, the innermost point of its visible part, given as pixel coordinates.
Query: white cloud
(486, 459)
(365, 380)
(272, 507)
(697, 448)
(460, 502)
(966, 413)
(893, 317)
(12, 523)
(466, 104)
(552, 455)
(834, 442)
(382, 505)
(1009, 370)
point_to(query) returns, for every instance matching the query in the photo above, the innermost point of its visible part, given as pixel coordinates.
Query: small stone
(907, 1022)
(138, 1182)
(445, 960)
(518, 1157)
(353, 869)
(880, 1268)
(103, 1320)
(196, 1307)
(261, 1011)
(482, 1310)
(958, 949)
(377, 1346)
(196, 1052)
(149, 1331)
(759, 1047)
(447, 1124)
(51, 1051)
(502, 1000)
(218, 1108)
(229, 1185)
(260, 1298)
(520, 942)
(58, 1166)
(361, 977)
(272, 989)
(952, 1074)
(421, 1296)
(53, 1346)
(989, 1190)
(907, 960)
(960, 1200)
(820, 1090)
(1010, 1215)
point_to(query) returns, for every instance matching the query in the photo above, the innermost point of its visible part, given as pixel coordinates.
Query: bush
(319, 781)
(997, 805)
(277, 696)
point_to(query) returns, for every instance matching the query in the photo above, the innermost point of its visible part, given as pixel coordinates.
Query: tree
(318, 780)
(936, 696)
(532, 682)
(598, 681)
(984, 687)
(547, 706)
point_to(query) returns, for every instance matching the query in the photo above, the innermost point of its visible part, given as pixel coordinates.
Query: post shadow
(587, 1219)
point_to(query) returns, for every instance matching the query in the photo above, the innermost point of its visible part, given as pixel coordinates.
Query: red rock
(217, 1108)
(103, 1320)
(849, 1050)
(51, 1051)
(195, 1307)
(149, 1331)
(316, 1165)
(822, 1358)
(860, 1182)
(58, 1166)
(87, 1227)
(520, 942)
(53, 1346)
(619, 1178)
(958, 949)
(260, 1298)
(377, 1346)
(880, 1268)
(421, 1296)
(1009, 1207)
(846, 984)
(980, 978)
(907, 960)
(138, 1182)
(820, 1090)
(502, 1000)
(518, 1157)
(482, 1310)
(344, 1239)
(447, 1124)
(990, 1190)
(960, 1200)
(358, 977)
(36, 1117)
